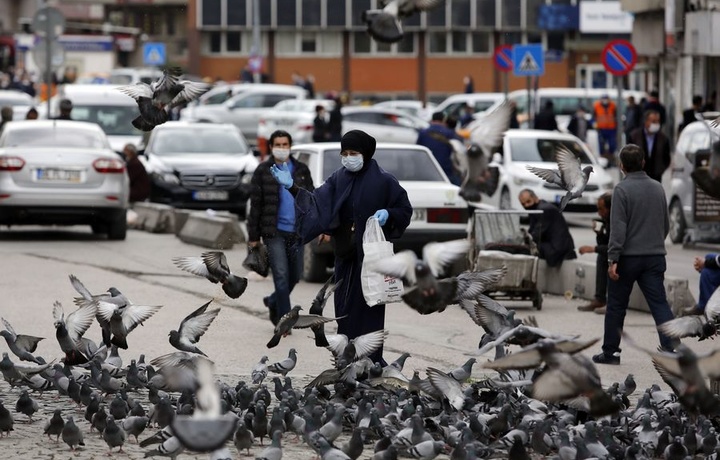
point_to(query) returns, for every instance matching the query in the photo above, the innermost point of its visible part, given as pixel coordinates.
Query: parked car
(296, 116)
(19, 101)
(218, 94)
(112, 110)
(246, 108)
(62, 172)
(200, 166)
(522, 148)
(439, 213)
(480, 102)
(414, 108)
(385, 125)
(132, 75)
(692, 150)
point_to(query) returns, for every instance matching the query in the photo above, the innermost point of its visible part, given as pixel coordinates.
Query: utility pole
(255, 51)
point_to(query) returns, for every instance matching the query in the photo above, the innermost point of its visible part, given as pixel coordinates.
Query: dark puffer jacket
(265, 197)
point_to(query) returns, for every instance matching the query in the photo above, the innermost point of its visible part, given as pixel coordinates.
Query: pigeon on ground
(286, 365)
(171, 447)
(318, 305)
(23, 346)
(71, 434)
(54, 426)
(6, 420)
(274, 450)
(124, 320)
(260, 371)
(294, 320)
(69, 332)
(114, 435)
(571, 176)
(26, 405)
(486, 134)
(213, 266)
(427, 450)
(19, 374)
(353, 448)
(157, 99)
(135, 425)
(384, 24)
(114, 357)
(243, 439)
(192, 328)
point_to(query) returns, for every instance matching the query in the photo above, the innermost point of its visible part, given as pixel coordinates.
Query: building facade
(327, 39)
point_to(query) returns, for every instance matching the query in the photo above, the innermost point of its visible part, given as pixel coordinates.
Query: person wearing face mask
(604, 113)
(549, 230)
(360, 189)
(654, 144)
(272, 218)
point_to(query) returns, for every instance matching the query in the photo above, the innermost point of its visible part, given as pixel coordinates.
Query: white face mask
(654, 127)
(281, 154)
(352, 163)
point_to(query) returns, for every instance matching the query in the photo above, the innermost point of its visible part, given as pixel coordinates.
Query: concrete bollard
(155, 217)
(210, 231)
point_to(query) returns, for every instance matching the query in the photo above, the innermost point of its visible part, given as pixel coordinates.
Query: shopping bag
(378, 289)
(257, 260)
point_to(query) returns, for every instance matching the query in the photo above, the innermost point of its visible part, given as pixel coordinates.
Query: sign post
(619, 58)
(529, 61)
(49, 23)
(503, 60)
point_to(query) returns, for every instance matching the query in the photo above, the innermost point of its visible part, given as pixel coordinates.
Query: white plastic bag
(378, 289)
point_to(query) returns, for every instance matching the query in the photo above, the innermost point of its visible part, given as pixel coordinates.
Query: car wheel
(677, 222)
(505, 202)
(99, 228)
(117, 226)
(314, 266)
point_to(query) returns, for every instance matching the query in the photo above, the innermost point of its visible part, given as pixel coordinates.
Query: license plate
(210, 195)
(419, 215)
(58, 175)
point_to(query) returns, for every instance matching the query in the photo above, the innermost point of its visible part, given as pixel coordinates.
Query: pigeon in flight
(570, 176)
(69, 332)
(113, 296)
(213, 265)
(124, 320)
(156, 99)
(23, 346)
(294, 320)
(384, 24)
(318, 305)
(192, 328)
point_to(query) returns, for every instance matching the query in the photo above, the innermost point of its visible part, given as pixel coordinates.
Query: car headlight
(246, 178)
(167, 177)
(519, 181)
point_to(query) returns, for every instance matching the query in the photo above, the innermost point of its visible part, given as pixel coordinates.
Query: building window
(361, 42)
(437, 16)
(233, 43)
(211, 12)
(170, 23)
(407, 44)
(485, 13)
(460, 12)
(236, 13)
(531, 15)
(381, 47)
(265, 13)
(481, 42)
(311, 12)
(511, 38)
(511, 13)
(358, 8)
(336, 12)
(308, 43)
(459, 42)
(534, 37)
(286, 13)
(215, 42)
(437, 42)
(556, 41)
(414, 20)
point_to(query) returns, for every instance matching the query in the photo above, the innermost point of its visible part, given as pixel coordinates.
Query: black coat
(551, 234)
(320, 130)
(545, 119)
(265, 197)
(335, 124)
(688, 117)
(659, 159)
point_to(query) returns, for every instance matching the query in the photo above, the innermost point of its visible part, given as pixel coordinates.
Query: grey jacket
(638, 218)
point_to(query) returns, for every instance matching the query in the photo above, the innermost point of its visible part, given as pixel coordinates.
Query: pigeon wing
(527, 358)
(551, 176)
(712, 308)
(685, 326)
(554, 385)
(216, 263)
(424, 5)
(439, 255)
(137, 90)
(193, 328)
(401, 265)
(194, 265)
(448, 386)
(58, 313)
(9, 328)
(181, 359)
(80, 288)
(305, 321)
(80, 320)
(134, 315)
(472, 284)
(27, 342)
(366, 344)
(191, 90)
(492, 321)
(572, 346)
(492, 305)
(569, 165)
(337, 344)
(488, 131)
(105, 310)
(710, 364)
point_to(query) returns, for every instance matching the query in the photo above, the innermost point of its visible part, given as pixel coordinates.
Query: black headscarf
(359, 141)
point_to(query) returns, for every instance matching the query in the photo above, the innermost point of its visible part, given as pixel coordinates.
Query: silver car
(62, 172)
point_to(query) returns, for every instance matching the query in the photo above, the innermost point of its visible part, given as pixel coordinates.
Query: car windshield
(198, 140)
(115, 120)
(54, 137)
(404, 164)
(532, 149)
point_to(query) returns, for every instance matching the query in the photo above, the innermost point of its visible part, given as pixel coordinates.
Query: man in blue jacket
(436, 137)
(709, 268)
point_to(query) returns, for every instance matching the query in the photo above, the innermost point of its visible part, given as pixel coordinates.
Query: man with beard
(549, 229)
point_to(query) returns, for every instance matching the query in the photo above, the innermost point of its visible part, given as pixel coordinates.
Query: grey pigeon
(213, 266)
(426, 450)
(99, 420)
(6, 420)
(448, 386)
(171, 447)
(570, 176)
(260, 371)
(318, 305)
(113, 295)
(69, 331)
(332, 429)
(676, 450)
(22, 346)
(26, 405)
(274, 450)
(346, 351)
(463, 373)
(391, 453)
(327, 451)
(293, 319)
(384, 24)
(118, 407)
(192, 328)
(54, 426)
(114, 435)
(16, 374)
(71, 434)
(114, 358)
(286, 365)
(157, 98)
(222, 453)
(243, 439)
(158, 438)
(703, 326)
(177, 372)
(135, 425)
(124, 320)
(354, 447)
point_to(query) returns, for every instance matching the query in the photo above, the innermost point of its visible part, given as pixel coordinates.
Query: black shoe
(602, 358)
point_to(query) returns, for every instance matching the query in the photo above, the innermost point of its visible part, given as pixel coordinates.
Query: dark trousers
(649, 273)
(601, 278)
(709, 281)
(286, 262)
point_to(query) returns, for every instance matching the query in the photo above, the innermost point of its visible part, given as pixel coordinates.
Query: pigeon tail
(75, 358)
(142, 125)
(274, 341)
(120, 342)
(320, 339)
(565, 200)
(382, 26)
(601, 404)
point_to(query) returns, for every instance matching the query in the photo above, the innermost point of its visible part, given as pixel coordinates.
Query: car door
(251, 115)
(367, 121)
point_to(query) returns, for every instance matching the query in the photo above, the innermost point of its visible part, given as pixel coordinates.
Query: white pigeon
(570, 176)
(384, 23)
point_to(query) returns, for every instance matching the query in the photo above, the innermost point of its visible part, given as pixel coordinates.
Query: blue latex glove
(382, 216)
(282, 175)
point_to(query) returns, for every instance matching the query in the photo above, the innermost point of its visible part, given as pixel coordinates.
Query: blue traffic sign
(528, 60)
(502, 58)
(619, 57)
(154, 53)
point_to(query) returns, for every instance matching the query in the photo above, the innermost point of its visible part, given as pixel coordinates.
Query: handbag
(257, 260)
(378, 289)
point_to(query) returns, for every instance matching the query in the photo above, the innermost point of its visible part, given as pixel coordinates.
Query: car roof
(265, 88)
(15, 94)
(373, 108)
(193, 124)
(538, 134)
(322, 146)
(94, 94)
(59, 124)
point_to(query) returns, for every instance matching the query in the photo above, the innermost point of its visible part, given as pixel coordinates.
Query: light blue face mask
(352, 163)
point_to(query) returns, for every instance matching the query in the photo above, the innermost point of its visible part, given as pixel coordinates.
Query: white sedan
(529, 147)
(385, 125)
(439, 213)
(296, 116)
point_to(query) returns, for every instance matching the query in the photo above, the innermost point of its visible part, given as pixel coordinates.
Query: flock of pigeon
(545, 400)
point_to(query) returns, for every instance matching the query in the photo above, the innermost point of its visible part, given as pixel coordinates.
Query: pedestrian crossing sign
(154, 54)
(528, 60)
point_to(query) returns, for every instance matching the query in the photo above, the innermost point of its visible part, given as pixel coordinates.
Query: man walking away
(655, 145)
(636, 252)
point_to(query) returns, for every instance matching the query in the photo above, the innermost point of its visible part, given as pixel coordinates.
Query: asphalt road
(36, 264)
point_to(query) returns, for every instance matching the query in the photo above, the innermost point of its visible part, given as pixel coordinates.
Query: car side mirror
(602, 161)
